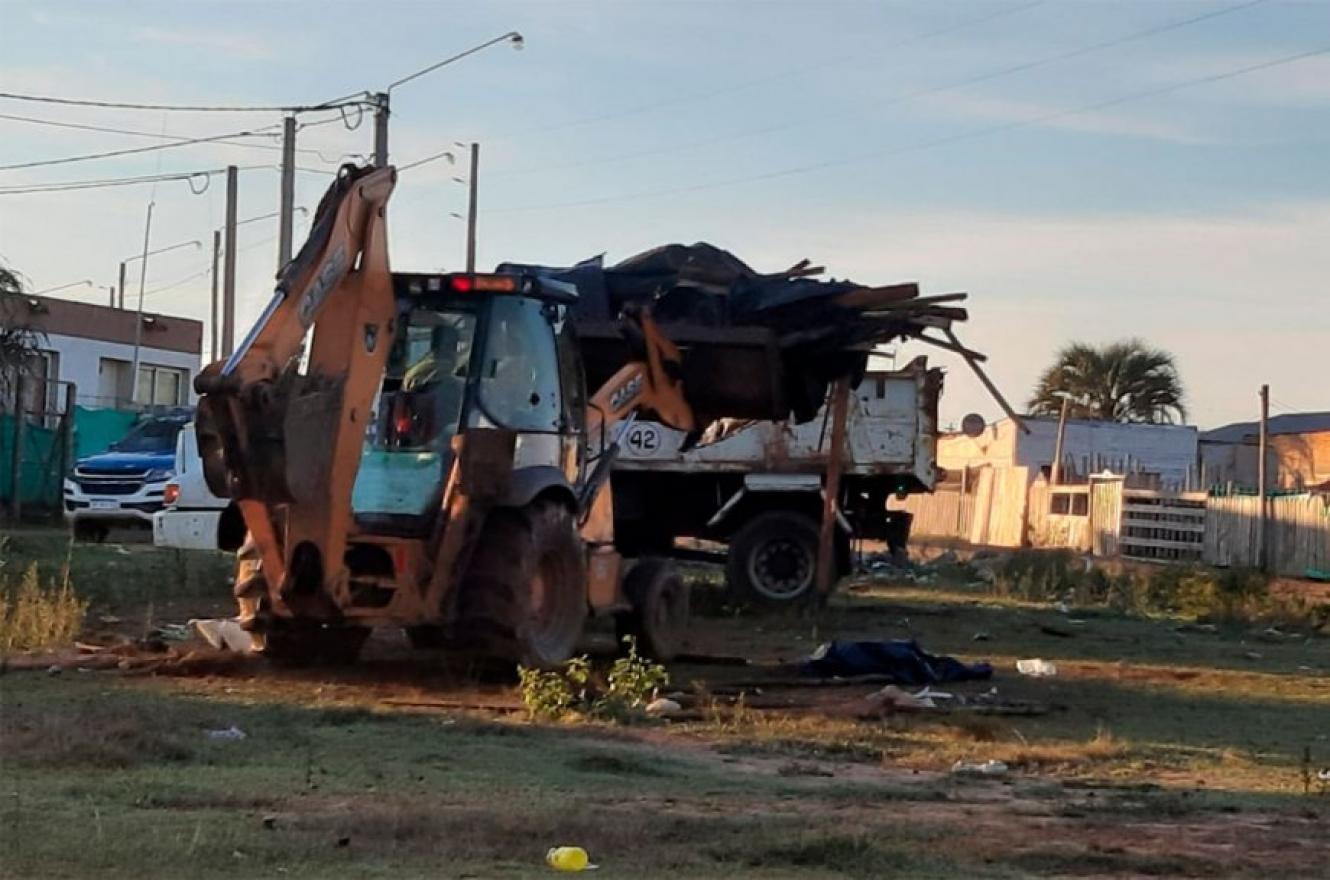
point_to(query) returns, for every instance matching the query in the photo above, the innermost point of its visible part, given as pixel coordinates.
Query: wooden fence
(1108, 517)
(1299, 538)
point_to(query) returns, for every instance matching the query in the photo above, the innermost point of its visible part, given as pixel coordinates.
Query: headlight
(159, 474)
(171, 494)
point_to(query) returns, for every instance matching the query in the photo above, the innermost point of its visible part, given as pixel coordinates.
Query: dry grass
(35, 617)
(116, 735)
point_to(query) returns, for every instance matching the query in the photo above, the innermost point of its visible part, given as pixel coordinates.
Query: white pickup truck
(194, 518)
(759, 489)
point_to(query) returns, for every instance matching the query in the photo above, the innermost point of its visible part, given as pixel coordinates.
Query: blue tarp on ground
(902, 659)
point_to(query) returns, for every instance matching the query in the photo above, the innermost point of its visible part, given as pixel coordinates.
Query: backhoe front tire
(523, 597)
(658, 621)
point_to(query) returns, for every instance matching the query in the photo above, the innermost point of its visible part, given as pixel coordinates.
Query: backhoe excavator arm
(285, 442)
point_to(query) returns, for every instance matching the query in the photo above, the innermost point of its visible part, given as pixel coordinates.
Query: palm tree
(1124, 381)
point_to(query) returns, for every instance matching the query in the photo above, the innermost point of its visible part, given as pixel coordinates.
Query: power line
(73, 185)
(878, 153)
(134, 150)
(344, 101)
(151, 134)
(899, 99)
(207, 271)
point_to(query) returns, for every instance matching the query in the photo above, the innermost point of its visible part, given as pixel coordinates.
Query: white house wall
(1168, 450)
(81, 358)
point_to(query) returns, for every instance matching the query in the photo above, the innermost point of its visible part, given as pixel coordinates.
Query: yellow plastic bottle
(567, 858)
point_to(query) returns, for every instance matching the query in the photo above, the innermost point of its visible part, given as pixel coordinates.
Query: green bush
(631, 682)
(1187, 590)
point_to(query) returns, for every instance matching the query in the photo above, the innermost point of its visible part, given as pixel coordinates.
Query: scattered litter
(980, 637)
(1063, 607)
(903, 660)
(569, 858)
(976, 768)
(172, 632)
(1323, 775)
(227, 734)
(86, 648)
(1055, 631)
(108, 619)
(1253, 655)
(54, 669)
(1036, 667)
(224, 633)
(1196, 627)
(894, 697)
(663, 707)
(270, 823)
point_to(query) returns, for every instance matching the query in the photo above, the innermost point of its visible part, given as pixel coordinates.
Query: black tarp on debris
(902, 659)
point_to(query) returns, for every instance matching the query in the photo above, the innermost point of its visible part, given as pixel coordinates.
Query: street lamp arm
(194, 243)
(512, 36)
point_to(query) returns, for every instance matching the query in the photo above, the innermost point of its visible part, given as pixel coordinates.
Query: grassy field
(1160, 749)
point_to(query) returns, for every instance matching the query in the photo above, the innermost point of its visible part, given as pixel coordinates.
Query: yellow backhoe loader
(420, 451)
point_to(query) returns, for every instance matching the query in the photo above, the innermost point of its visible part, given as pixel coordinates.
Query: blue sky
(1062, 161)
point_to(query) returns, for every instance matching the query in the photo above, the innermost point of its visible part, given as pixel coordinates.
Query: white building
(1168, 452)
(93, 347)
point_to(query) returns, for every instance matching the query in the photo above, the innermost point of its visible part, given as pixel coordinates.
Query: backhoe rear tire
(523, 597)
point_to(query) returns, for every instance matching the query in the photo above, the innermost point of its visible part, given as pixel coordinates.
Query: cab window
(519, 370)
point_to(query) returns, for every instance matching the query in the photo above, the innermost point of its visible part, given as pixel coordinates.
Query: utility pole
(1055, 475)
(381, 130)
(471, 210)
(288, 200)
(229, 266)
(216, 258)
(138, 317)
(110, 288)
(1262, 487)
(121, 288)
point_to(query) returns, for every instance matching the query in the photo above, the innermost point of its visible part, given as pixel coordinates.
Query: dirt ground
(1160, 749)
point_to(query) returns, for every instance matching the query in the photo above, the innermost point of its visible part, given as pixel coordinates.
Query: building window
(1069, 504)
(161, 386)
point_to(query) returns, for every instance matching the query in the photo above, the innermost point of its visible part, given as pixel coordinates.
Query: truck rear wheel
(523, 597)
(773, 558)
(659, 617)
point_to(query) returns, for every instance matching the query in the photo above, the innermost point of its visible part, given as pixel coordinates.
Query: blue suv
(124, 485)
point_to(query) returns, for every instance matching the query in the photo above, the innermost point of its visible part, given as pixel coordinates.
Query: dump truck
(757, 486)
(422, 450)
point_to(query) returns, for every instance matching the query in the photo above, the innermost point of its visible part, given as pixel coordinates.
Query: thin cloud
(1132, 125)
(238, 45)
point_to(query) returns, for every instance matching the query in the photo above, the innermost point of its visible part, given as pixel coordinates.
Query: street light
(62, 287)
(216, 258)
(381, 99)
(139, 256)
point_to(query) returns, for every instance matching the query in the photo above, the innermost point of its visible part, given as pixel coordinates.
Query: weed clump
(632, 681)
(35, 617)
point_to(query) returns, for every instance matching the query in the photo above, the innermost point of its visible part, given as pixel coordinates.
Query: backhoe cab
(419, 450)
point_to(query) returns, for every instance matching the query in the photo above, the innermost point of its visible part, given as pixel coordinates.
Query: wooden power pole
(1055, 473)
(1262, 482)
(826, 544)
(229, 266)
(472, 184)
